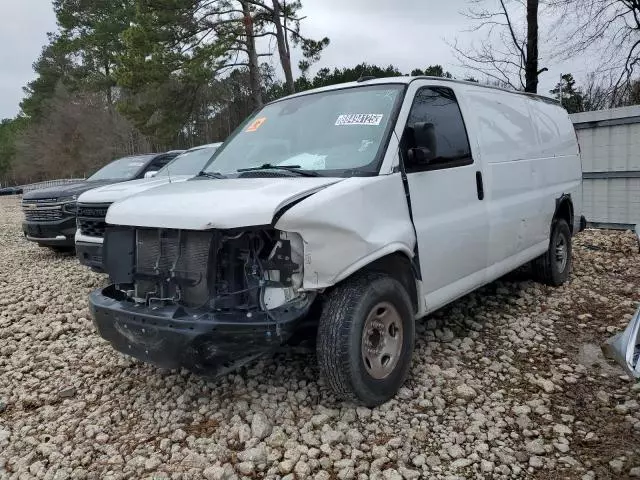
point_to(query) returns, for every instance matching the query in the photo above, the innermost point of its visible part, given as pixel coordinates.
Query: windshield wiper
(288, 168)
(215, 175)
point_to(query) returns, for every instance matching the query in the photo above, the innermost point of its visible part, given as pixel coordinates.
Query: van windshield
(338, 132)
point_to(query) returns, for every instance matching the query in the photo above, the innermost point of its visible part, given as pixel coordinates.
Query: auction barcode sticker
(360, 119)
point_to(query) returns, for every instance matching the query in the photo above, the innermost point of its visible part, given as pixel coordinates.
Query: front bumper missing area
(90, 255)
(202, 341)
(624, 347)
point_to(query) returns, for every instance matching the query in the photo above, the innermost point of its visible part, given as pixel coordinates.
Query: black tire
(340, 348)
(548, 268)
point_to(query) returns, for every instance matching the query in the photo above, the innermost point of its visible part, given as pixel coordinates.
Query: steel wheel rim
(561, 252)
(382, 337)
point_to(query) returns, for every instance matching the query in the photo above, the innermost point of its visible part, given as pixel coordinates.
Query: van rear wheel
(365, 338)
(554, 267)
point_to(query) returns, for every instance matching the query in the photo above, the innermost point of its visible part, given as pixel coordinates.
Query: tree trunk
(283, 50)
(531, 66)
(254, 66)
(107, 74)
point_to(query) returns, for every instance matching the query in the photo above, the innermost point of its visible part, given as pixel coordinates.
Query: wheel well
(564, 210)
(398, 266)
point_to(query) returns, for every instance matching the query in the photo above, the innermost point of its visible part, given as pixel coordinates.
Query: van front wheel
(554, 266)
(365, 338)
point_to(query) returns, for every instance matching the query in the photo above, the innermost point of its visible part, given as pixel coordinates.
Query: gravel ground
(506, 383)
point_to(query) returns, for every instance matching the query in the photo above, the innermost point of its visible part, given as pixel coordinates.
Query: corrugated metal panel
(609, 149)
(615, 200)
(610, 142)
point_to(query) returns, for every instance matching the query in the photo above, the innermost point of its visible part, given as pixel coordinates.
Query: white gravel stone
(465, 392)
(535, 447)
(486, 466)
(331, 437)
(225, 472)
(255, 455)
(245, 468)
(496, 389)
(616, 465)
(261, 427)
(536, 462)
(433, 460)
(456, 451)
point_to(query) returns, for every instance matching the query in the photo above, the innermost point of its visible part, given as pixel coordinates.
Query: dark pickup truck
(50, 213)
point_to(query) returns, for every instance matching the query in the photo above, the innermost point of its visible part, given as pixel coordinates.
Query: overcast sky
(406, 33)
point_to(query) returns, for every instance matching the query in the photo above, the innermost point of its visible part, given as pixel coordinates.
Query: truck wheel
(365, 338)
(553, 267)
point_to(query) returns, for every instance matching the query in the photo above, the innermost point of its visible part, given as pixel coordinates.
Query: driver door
(447, 198)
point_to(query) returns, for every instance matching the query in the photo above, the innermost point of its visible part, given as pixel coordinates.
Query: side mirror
(422, 143)
(150, 174)
(420, 156)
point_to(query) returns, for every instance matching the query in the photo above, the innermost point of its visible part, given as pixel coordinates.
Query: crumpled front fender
(349, 225)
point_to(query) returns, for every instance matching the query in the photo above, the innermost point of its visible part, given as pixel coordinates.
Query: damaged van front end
(220, 288)
(206, 300)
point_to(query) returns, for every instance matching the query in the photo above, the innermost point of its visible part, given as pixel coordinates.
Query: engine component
(216, 270)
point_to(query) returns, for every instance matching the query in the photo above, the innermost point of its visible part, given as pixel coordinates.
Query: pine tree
(572, 99)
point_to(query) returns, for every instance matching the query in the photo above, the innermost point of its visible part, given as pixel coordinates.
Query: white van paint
(503, 170)
(527, 152)
(524, 146)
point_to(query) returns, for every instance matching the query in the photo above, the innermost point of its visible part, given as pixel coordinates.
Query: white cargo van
(92, 206)
(357, 209)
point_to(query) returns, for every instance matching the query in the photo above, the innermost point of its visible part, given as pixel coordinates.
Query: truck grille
(42, 215)
(91, 219)
(43, 200)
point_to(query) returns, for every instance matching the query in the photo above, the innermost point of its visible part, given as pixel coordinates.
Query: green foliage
(432, 71)
(91, 30)
(9, 131)
(565, 91)
(165, 69)
(54, 66)
(326, 76)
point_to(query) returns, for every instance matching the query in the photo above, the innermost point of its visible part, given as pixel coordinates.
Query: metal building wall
(610, 145)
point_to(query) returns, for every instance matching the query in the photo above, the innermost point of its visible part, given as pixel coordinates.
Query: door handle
(479, 185)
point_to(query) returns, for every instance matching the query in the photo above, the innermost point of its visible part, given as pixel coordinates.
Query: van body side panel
(524, 174)
(507, 144)
(349, 225)
(449, 293)
(451, 224)
(560, 165)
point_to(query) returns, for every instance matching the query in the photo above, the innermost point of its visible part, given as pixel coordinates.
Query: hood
(65, 190)
(206, 204)
(118, 191)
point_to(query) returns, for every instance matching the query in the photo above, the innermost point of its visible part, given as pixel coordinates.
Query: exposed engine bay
(217, 270)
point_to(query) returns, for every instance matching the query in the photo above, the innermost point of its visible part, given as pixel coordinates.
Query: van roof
(405, 80)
